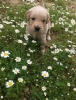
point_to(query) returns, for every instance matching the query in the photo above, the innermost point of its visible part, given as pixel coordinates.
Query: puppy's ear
(28, 15)
(48, 18)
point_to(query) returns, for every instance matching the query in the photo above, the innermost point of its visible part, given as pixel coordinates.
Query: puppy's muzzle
(37, 28)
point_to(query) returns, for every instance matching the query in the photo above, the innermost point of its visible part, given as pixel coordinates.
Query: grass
(24, 72)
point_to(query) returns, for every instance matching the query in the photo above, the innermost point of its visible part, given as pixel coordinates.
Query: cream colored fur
(38, 25)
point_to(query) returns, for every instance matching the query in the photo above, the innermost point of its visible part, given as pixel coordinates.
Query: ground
(11, 1)
(58, 79)
(71, 3)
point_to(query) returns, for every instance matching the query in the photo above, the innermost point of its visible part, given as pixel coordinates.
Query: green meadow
(26, 74)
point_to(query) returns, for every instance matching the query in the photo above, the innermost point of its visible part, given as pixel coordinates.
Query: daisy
(47, 99)
(13, 25)
(74, 89)
(73, 22)
(54, 46)
(67, 50)
(33, 41)
(56, 50)
(2, 69)
(31, 50)
(69, 56)
(45, 74)
(22, 24)
(72, 51)
(28, 54)
(16, 71)
(1, 26)
(49, 67)
(26, 36)
(23, 0)
(18, 59)
(9, 83)
(20, 80)
(45, 93)
(30, 0)
(43, 88)
(16, 12)
(69, 41)
(1, 97)
(17, 31)
(68, 84)
(20, 41)
(55, 58)
(52, 24)
(29, 62)
(5, 54)
(24, 43)
(24, 67)
(66, 29)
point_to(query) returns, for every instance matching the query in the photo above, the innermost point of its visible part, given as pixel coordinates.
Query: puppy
(38, 25)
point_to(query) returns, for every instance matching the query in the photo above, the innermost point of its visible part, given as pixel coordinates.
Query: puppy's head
(37, 18)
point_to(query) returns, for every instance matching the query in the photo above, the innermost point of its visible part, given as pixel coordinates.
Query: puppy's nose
(37, 28)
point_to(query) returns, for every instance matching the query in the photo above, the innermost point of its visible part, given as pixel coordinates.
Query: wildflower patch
(27, 74)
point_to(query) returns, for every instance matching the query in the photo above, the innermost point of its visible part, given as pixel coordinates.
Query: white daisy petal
(9, 83)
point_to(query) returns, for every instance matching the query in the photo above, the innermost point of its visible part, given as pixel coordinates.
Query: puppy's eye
(33, 18)
(43, 20)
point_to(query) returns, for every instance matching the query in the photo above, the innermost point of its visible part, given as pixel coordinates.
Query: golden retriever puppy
(38, 25)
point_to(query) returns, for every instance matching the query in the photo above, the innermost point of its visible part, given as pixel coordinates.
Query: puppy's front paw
(43, 51)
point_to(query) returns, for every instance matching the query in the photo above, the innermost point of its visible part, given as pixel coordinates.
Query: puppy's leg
(48, 35)
(43, 43)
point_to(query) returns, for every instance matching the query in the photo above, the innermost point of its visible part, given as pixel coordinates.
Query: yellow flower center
(45, 74)
(20, 80)
(10, 83)
(16, 71)
(57, 50)
(5, 54)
